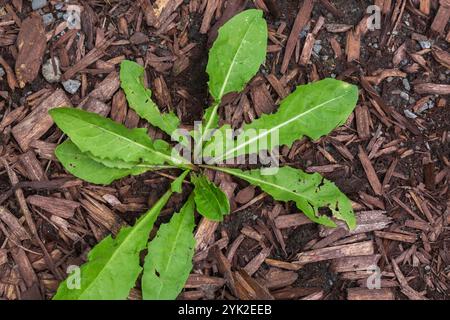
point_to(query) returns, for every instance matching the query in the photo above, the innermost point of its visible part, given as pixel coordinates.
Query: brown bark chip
(31, 44)
(36, 124)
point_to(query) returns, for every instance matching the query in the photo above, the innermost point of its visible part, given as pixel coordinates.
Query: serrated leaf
(235, 57)
(211, 202)
(312, 110)
(140, 98)
(310, 192)
(84, 167)
(169, 259)
(113, 264)
(106, 139)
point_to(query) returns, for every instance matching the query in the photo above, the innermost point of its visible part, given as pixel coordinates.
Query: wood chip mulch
(392, 157)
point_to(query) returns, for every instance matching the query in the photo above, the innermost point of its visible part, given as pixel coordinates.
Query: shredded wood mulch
(392, 157)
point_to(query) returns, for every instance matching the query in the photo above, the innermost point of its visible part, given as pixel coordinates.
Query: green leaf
(84, 167)
(177, 184)
(237, 54)
(313, 110)
(113, 264)
(211, 201)
(235, 57)
(310, 192)
(140, 98)
(169, 259)
(106, 139)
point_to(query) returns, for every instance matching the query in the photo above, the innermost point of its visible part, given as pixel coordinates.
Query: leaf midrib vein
(267, 132)
(134, 230)
(227, 77)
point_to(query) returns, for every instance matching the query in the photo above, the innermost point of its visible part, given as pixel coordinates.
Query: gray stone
(48, 19)
(38, 4)
(406, 84)
(425, 44)
(317, 48)
(71, 86)
(404, 95)
(49, 73)
(2, 72)
(409, 114)
(59, 6)
(305, 31)
(404, 62)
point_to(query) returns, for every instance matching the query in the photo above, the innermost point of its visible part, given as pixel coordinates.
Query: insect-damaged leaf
(169, 260)
(140, 98)
(211, 202)
(312, 110)
(113, 264)
(310, 192)
(106, 139)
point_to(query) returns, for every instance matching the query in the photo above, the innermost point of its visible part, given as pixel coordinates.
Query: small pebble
(389, 79)
(72, 19)
(425, 44)
(404, 62)
(317, 48)
(49, 73)
(409, 114)
(406, 84)
(2, 72)
(404, 95)
(71, 86)
(304, 31)
(38, 4)
(48, 19)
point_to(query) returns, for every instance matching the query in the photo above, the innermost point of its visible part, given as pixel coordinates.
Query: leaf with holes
(140, 98)
(310, 192)
(113, 264)
(169, 260)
